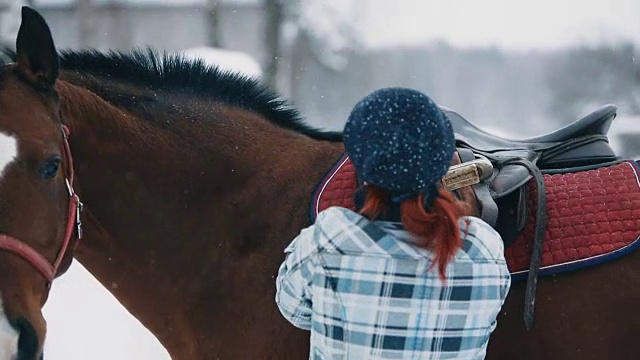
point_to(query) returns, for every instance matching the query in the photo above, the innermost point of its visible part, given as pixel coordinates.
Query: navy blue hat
(398, 139)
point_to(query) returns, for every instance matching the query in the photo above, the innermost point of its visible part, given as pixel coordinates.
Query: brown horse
(193, 182)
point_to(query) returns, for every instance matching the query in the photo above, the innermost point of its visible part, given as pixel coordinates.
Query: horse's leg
(586, 314)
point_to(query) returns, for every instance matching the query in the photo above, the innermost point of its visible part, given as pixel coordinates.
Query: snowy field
(85, 321)
(624, 136)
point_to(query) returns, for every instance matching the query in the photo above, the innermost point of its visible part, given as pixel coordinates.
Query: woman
(407, 276)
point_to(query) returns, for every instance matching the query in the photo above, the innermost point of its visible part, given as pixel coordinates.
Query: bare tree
(275, 17)
(85, 11)
(213, 21)
(330, 27)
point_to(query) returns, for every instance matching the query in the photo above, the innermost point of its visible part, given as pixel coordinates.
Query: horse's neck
(164, 213)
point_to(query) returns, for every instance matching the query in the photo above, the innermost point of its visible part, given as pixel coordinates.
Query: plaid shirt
(363, 291)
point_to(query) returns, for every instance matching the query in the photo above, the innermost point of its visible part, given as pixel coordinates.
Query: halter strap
(47, 269)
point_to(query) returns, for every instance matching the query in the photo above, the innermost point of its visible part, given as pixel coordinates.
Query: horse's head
(37, 204)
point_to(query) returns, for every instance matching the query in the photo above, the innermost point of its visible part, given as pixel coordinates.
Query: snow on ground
(226, 60)
(84, 321)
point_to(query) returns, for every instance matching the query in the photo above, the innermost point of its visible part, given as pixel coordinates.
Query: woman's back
(407, 276)
(373, 297)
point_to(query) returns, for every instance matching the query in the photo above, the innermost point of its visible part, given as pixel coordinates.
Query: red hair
(437, 229)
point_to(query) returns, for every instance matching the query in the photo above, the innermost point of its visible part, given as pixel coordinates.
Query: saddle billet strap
(489, 213)
(538, 237)
(488, 209)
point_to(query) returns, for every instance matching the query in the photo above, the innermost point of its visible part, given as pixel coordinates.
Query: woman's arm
(293, 284)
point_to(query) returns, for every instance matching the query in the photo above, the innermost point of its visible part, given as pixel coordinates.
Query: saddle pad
(593, 215)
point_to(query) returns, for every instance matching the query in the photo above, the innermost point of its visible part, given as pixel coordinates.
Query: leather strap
(488, 209)
(489, 213)
(538, 238)
(24, 251)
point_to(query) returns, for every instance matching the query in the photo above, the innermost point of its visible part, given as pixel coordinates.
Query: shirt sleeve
(293, 284)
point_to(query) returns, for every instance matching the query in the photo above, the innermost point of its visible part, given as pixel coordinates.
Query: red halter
(74, 225)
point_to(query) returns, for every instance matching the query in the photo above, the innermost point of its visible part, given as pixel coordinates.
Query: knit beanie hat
(398, 139)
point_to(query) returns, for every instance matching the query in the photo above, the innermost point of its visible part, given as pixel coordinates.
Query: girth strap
(538, 238)
(489, 213)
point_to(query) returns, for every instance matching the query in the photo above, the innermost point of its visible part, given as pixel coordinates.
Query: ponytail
(437, 229)
(375, 202)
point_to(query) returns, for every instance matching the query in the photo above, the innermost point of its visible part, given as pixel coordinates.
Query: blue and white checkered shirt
(363, 291)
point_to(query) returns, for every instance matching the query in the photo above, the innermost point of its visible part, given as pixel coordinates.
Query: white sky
(86, 322)
(512, 24)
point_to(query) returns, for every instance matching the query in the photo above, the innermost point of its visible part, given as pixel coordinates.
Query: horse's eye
(49, 168)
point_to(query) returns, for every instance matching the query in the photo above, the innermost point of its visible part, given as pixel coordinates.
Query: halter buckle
(79, 209)
(69, 188)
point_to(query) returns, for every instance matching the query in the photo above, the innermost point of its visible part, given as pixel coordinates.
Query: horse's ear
(36, 54)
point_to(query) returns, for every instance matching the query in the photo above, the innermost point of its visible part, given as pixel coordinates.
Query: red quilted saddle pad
(593, 215)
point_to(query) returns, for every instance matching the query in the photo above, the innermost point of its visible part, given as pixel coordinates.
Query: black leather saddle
(502, 198)
(583, 142)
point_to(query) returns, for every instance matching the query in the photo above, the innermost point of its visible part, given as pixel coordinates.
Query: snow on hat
(398, 139)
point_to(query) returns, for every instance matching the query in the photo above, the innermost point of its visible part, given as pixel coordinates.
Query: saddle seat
(583, 142)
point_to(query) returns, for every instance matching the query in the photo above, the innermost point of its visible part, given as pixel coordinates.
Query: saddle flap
(508, 179)
(513, 215)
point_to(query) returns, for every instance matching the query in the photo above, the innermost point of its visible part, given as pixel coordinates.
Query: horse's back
(585, 314)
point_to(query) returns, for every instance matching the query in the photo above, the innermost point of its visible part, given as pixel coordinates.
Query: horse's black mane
(173, 72)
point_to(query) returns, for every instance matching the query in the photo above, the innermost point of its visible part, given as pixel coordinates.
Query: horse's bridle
(47, 269)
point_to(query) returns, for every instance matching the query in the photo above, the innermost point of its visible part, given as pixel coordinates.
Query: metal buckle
(79, 209)
(69, 187)
(64, 132)
(467, 174)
